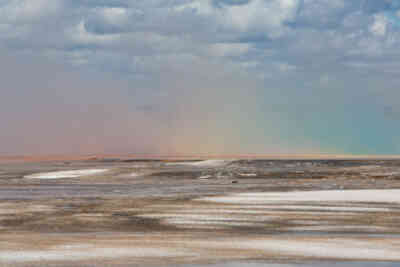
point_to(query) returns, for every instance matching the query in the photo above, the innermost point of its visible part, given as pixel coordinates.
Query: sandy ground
(157, 213)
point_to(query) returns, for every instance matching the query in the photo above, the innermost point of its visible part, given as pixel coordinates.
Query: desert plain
(200, 212)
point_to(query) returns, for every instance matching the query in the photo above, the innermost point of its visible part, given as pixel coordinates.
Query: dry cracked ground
(119, 212)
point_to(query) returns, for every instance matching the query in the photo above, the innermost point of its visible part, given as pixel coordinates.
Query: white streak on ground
(339, 228)
(65, 174)
(201, 219)
(86, 252)
(204, 163)
(328, 248)
(205, 177)
(374, 196)
(325, 208)
(258, 209)
(285, 208)
(248, 174)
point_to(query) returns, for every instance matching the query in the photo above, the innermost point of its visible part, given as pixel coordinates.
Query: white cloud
(229, 49)
(23, 11)
(203, 7)
(379, 26)
(114, 15)
(173, 34)
(267, 17)
(261, 16)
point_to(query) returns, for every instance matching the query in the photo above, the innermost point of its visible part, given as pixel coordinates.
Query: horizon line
(200, 156)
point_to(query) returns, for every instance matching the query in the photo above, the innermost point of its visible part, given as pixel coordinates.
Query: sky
(199, 76)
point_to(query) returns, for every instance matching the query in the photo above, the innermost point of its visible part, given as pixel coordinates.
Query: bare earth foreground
(125, 212)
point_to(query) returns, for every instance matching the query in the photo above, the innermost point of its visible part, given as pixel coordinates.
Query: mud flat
(277, 213)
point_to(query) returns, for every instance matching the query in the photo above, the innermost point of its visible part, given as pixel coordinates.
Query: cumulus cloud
(229, 49)
(257, 16)
(379, 25)
(25, 11)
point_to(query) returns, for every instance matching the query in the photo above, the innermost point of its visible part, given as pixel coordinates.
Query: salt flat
(155, 213)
